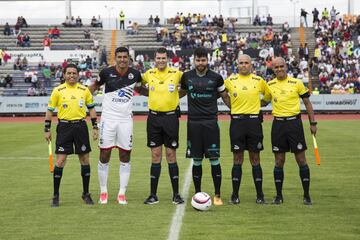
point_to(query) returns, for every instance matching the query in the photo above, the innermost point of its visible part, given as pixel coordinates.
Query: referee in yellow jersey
(71, 98)
(163, 122)
(246, 132)
(287, 133)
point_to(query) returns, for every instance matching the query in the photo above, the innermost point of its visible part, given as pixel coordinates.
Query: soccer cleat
(103, 198)
(218, 201)
(260, 200)
(152, 199)
(177, 199)
(55, 201)
(307, 201)
(278, 200)
(87, 199)
(234, 199)
(122, 200)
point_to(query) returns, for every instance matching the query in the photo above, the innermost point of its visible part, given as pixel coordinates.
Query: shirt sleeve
(101, 78)
(53, 100)
(89, 99)
(145, 77)
(183, 82)
(302, 90)
(220, 84)
(139, 80)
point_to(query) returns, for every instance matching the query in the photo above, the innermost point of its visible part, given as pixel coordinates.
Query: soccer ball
(201, 201)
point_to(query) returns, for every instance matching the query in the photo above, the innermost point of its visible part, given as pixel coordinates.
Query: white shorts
(116, 133)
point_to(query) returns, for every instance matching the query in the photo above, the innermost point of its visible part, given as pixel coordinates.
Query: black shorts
(246, 134)
(69, 135)
(163, 129)
(288, 135)
(203, 139)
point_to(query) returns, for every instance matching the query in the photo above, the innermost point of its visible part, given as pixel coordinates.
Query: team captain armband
(221, 88)
(47, 126)
(94, 123)
(305, 95)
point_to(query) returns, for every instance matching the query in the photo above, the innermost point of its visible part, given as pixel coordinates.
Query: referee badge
(235, 94)
(152, 88)
(65, 105)
(81, 103)
(131, 76)
(299, 146)
(171, 87)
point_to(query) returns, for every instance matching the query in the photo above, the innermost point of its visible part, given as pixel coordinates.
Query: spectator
(55, 32)
(17, 29)
(333, 14)
(269, 21)
(31, 91)
(52, 70)
(96, 44)
(257, 21)
(23, 22)
(103, 57)
(7, 30)
(47, 77)
(47, 43)
(64, 64)
(1, 56)
(129, 29)
(24, 62)
(315, 13)
(263, 20)
(72, 22)
(20, 40)
(26, 40)
(43, 92)
(96, 22)
(286, 27)
(151, 21)
(87, 34)
(67, 22)
(122, 20)
(8, 80)
(306, 52)
(34, 80)
(157, 21)
(42, 62)
(325, 14)
(78, 22)
(303, 15)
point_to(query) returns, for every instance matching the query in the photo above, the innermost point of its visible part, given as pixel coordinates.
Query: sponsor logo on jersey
(174, 143)
(112, 75)
(121, 93)
(236, 147)
(259, 146)
(61, 149)
(131, 76)
(299, 146)
(152, 143)
(120, 100)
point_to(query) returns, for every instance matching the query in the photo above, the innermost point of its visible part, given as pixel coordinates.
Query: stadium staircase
(70, 38)
(113, 39)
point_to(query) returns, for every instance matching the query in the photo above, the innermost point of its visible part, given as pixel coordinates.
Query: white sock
(103, 171)
(124, 173)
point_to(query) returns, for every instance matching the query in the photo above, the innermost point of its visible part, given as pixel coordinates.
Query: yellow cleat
(218, 201)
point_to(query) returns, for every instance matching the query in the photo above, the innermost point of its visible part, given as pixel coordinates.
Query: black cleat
(177, 199)
(278, 200)
(152, 199)
(260, 200)
(307, 201)
(55, 201)
(234, 199)
(87, 199)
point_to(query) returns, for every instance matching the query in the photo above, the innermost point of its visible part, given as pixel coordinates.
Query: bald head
(244, 64)
(279, 68)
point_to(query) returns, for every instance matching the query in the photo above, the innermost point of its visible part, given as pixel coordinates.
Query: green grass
(26, 189)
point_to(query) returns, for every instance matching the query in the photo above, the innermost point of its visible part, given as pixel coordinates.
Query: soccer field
(26, 190)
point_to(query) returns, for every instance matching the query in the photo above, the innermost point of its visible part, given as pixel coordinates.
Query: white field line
(175, 227)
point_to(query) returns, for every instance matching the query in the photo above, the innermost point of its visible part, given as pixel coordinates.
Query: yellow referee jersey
(71, 101)
(285, 96)
(245, 93)
(163, 88)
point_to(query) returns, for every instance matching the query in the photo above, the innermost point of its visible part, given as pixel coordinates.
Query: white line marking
(176, 222)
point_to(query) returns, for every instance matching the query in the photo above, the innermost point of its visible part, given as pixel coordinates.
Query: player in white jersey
(116, 126)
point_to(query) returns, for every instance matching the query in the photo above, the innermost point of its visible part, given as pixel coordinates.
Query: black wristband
(47, 125)
(94, 123)
(313, 123)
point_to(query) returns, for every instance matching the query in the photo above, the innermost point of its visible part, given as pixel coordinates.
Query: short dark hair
(122, 49)
(160, 50)
(200, 52)
(71, 65)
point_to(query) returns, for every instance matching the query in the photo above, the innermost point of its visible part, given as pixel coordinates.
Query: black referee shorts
(246, 134)
(69, 135)
(288, 135)
(203, 139)
(163, 129)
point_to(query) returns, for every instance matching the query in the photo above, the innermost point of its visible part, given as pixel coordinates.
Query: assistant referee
(71, 98)
(287, 133)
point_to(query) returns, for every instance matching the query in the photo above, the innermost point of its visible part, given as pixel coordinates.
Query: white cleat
(122, 200)
(103, 198)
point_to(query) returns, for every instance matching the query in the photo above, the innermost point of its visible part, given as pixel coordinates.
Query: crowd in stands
(263, 21)
(336, 59)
